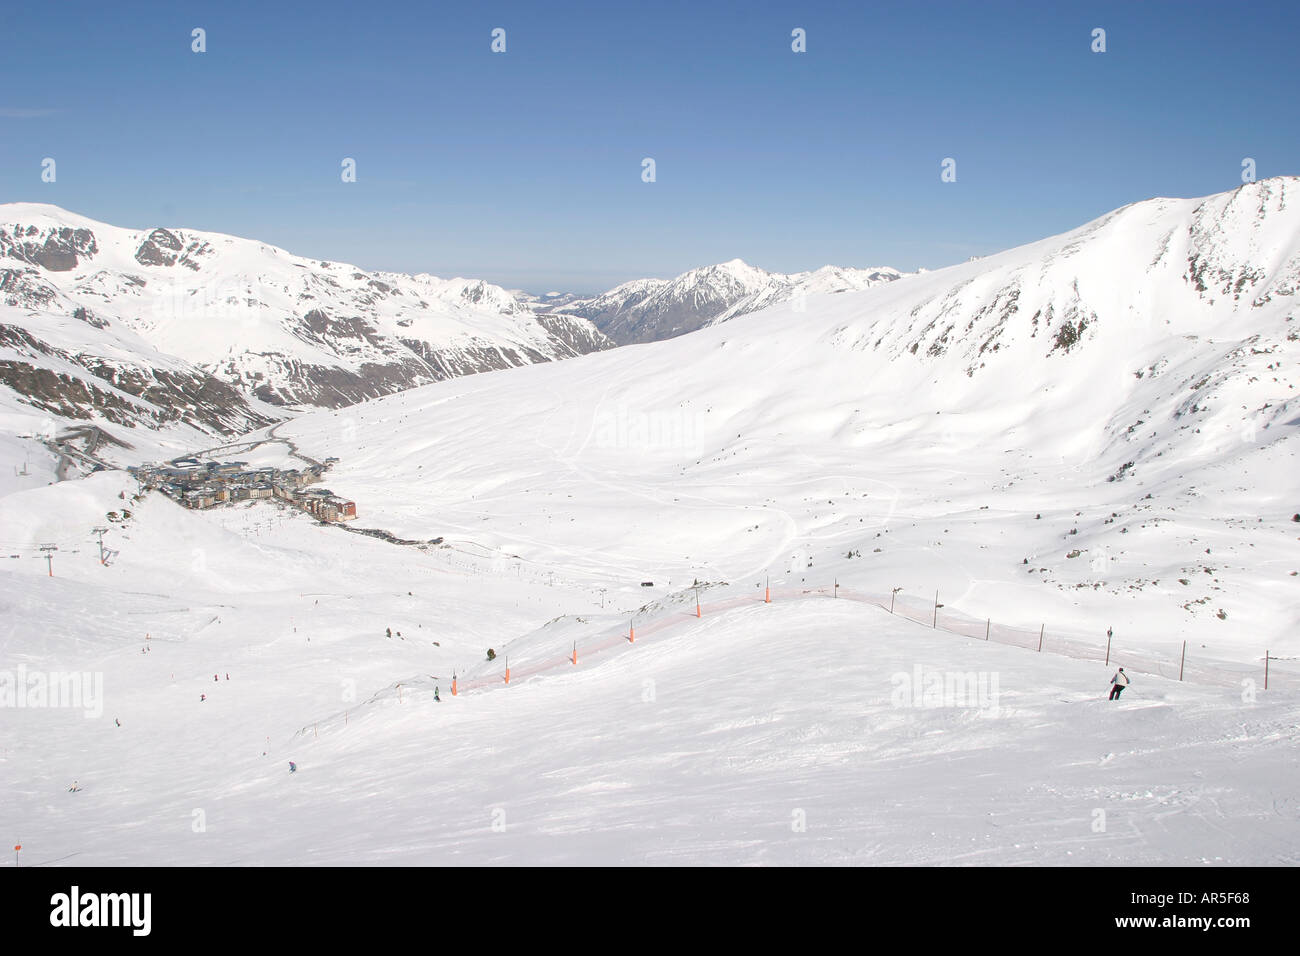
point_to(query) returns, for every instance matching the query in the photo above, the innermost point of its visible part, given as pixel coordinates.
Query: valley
(1081, 446)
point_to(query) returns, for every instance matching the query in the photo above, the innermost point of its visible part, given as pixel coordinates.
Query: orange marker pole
(631, 633)
(767, 592)
(507, 670)
(697, 604)
(17, 847)
(575, 653)
(453, 685)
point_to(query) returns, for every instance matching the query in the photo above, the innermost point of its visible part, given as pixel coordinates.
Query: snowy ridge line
(1213, 672)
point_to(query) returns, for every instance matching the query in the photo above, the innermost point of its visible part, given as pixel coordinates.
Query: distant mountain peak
(646, 310)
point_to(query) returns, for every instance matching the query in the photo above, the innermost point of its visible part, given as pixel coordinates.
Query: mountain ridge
(649, 310)
(1093, 429)
(253, 326)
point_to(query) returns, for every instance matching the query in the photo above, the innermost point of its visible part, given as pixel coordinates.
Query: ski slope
(1044, 482)
(1139, 478)
(780, 733)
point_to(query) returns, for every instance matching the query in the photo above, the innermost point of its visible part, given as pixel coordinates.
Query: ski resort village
(196, 484)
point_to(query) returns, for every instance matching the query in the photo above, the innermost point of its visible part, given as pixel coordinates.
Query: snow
(787, 445)
(241, 310)
(782, 733)
(653, 309)
(755, 446)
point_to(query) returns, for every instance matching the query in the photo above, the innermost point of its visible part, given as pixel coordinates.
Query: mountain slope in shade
(274, 326)
(649, 310)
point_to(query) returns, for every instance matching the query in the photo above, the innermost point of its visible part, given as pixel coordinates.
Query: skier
(1120, 680)
(118, 721)
(203, 696)
(74, 788)
(435, 695)
(293, 767)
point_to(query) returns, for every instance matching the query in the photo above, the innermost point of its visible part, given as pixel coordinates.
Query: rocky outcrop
(54, 249)
(80, 385)
(577, 333)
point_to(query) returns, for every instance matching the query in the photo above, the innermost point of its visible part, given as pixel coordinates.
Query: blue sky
(525, 167)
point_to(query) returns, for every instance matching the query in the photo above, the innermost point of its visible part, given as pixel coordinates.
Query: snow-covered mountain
(1063, 428)
(1094, 431)
(648, 310)
(248, 325)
